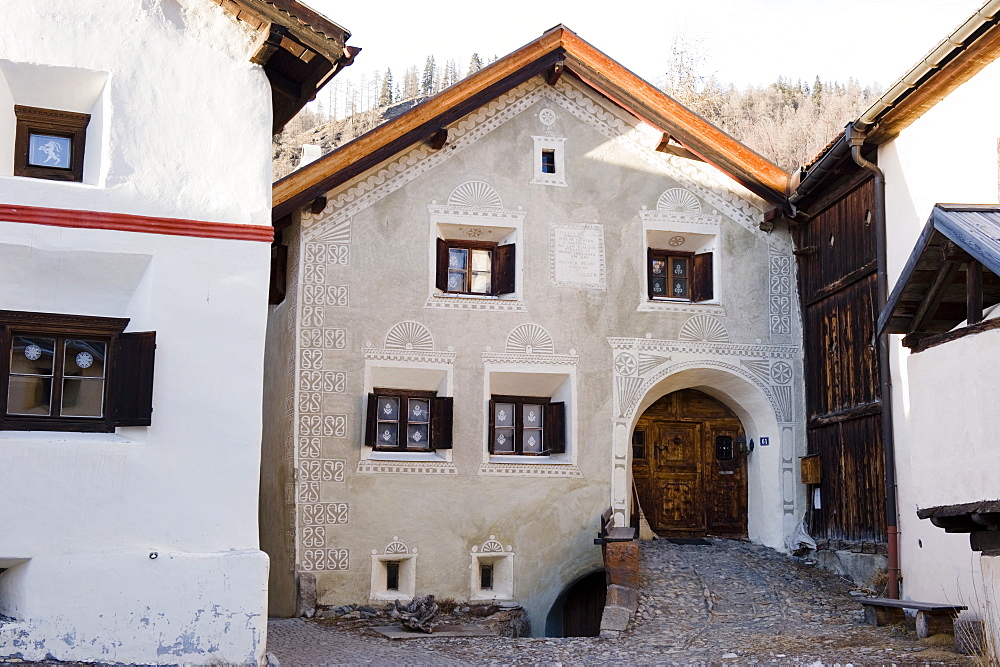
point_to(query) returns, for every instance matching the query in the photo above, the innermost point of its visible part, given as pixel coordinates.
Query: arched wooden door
(690, 477)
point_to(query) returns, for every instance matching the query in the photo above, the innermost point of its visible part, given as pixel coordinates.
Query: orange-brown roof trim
(584, 61)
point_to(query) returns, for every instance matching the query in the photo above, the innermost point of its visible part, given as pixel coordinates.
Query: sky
(745, 41)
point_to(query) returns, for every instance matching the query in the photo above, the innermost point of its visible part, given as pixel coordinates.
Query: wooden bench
(932, 618)
(611, 533)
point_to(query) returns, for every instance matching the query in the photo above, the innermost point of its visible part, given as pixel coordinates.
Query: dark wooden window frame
(502, 262)
(439, 421)
(128, 374)
(698, 273)
(553, 425)
(53, 122)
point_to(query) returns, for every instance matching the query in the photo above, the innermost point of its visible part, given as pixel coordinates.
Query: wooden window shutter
(492, 435)
(132, 379)
(701, 277)
(649, 273)
(370, 421)
(504, 269)
(441, 271)
(441, 419)
(555, 428)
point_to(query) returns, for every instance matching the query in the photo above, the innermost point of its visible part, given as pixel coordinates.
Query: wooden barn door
(689, 477)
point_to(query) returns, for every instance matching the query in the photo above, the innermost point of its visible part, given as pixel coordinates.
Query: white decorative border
(466, 303)
(647, 306)
(530, 470)
(428, 356)
(519, 358)
(366, 466)
(602, 283)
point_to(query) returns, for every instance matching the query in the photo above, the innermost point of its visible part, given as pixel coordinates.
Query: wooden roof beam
(268, 43)
(944, 278)
(675, 148)
(439, 139)
(552, 76)
(752, 171)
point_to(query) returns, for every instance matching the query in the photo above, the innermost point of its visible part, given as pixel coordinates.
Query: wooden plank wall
(838, 288)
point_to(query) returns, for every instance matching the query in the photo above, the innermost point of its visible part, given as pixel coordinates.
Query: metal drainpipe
(856, 138)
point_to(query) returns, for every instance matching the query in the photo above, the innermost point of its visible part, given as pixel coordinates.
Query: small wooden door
(689, 476)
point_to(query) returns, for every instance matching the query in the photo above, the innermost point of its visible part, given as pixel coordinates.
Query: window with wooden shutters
(408, 421)
(73, 373)
(678, 276)
(476, 268)
(527, 426)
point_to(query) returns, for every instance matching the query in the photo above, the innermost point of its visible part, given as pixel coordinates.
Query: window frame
(54, 122)
(698, 274)
(553, 425)
(438, 421)
(127, 392)
(502, 266)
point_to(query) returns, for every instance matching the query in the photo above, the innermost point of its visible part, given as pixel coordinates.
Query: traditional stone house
(933, 136)
(133, 219)
(544, 287)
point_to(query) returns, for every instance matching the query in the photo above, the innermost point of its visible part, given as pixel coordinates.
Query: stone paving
(729, 602)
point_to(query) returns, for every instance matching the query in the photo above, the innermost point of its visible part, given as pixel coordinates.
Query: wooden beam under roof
(585, 62)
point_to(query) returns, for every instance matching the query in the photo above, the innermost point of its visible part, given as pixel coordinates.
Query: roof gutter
(940, 55)
(946, 51)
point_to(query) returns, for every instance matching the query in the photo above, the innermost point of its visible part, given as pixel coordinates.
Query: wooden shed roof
(930, 295)
(558, 50)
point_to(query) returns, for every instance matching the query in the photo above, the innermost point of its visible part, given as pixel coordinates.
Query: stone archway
(751, 396)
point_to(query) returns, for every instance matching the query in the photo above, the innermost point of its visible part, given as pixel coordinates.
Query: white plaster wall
(179, 124)
(181, 128)
(187, 484)
(943, 398)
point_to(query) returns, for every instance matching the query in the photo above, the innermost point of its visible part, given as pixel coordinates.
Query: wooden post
(974, 292)
(934, 623)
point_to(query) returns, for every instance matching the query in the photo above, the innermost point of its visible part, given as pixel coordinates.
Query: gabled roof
(299, 49)
(930, 295)
(557, 51)
(954, 60)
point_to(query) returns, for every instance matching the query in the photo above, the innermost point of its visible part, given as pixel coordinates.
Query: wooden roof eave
(311, 28)
(706, 141)
(371, 148)
(587, 63)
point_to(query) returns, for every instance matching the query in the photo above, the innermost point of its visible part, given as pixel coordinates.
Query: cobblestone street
(727, 602)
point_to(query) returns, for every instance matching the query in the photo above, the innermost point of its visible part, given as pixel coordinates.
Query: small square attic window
(49, 143)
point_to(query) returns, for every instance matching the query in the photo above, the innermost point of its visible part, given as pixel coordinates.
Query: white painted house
(503, 306)
(934, 136)
(134, 217)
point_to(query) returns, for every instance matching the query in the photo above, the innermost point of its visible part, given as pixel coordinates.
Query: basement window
(392, 575)
(486, 576)
(394, 572)
(492, 571)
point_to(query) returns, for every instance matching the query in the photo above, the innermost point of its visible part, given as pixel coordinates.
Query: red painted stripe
(123, 222)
